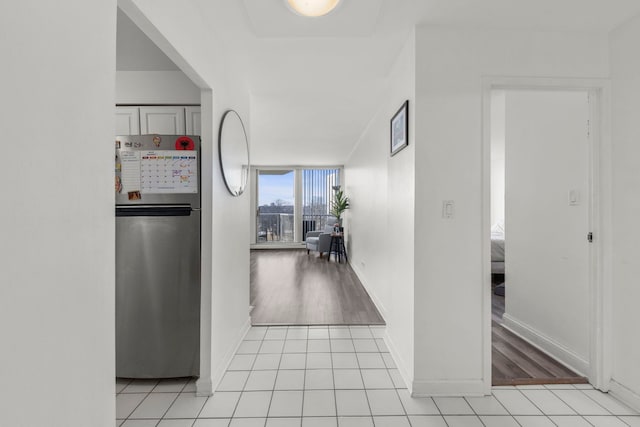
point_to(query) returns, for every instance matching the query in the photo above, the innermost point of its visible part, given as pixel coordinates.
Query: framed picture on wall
(400, 129)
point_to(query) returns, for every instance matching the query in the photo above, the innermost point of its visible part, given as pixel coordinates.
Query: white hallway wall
(625, 71)
(57, 362)
(451, 62)
(178, 29)
(444, 355)
(380, 222)
(155, 87)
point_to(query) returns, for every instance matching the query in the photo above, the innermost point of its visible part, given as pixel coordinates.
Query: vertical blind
(317, 190)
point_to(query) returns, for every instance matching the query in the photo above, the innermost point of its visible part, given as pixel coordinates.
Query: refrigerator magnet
(185, 143)
(117, 144)
(118, 185)
(134, 195)
(157, 140)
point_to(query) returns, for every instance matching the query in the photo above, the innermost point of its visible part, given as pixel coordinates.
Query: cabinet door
(162, 120)
(127, 121)
(193, 120)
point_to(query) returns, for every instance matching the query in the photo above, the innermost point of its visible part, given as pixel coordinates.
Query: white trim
(469, 388)
(203, 385)
(600, 306)
(277, 245)
(602, 249)
(546, 344)
(372, 295)
(625, 395)
(485, 244)
(401, 365)
(206, 386)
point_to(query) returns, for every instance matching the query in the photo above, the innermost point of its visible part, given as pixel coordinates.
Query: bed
(497, 248)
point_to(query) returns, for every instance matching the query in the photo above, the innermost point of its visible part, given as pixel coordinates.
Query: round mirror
(234, 152)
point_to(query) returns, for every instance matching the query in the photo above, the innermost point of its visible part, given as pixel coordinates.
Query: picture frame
(400, 129)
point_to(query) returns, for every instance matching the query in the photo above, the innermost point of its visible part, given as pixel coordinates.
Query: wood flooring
(291, 287)
(516, 362)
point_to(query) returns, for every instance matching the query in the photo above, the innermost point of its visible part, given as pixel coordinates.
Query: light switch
(574, 197)
(448, 209)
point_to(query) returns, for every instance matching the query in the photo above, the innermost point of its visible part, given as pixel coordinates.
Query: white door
(127, 121)
(162, 120)
(193, 120)
(547, 221)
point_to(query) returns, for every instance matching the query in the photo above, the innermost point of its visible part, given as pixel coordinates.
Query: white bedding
(497, 242)
(497, 247)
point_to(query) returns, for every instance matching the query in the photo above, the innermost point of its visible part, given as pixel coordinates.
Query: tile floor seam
(574, 409)
(534, 404)
(273, 388)
(366, 395)
(171, 405)
(333, 379)
(137, 406)
(593, 400)
(304, 379)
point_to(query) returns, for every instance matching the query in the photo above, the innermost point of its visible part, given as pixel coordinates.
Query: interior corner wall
(155, 87)
(450, 63)
(179, 29)
(380, 221)
(57, 312)
(625, 72)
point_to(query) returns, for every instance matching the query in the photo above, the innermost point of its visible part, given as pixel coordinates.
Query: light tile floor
(345, 377)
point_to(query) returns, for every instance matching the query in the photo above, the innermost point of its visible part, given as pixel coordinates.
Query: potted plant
(339, 204)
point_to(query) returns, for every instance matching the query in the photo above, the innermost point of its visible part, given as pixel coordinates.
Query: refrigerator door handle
(153, 210)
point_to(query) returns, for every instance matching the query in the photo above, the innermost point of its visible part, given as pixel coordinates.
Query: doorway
(540, 213)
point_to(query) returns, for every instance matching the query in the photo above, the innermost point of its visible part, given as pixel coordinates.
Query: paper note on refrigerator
(130, 171)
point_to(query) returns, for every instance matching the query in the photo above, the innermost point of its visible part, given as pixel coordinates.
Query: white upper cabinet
(162, 120)
(127, 121)
(193, 120)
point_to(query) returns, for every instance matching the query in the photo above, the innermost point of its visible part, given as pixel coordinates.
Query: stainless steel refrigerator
(157, 188)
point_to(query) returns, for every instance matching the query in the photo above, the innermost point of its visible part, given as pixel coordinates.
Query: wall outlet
(448, 209)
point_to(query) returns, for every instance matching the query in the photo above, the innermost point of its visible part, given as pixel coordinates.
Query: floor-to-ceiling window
(292, 201)
(276, 205)
(318, 188)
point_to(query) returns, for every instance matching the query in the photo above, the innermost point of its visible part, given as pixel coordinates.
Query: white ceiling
(315, 83)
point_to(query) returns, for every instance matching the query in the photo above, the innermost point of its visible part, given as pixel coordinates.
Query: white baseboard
(627, 396)
(365, 285)
(206, 386)
(435, 388)
(401, 365)
(548, 345)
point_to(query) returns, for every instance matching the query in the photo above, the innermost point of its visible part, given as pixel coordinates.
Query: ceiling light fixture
(313, 8)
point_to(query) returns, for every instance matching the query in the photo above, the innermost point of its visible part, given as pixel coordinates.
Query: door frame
(600, 217)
